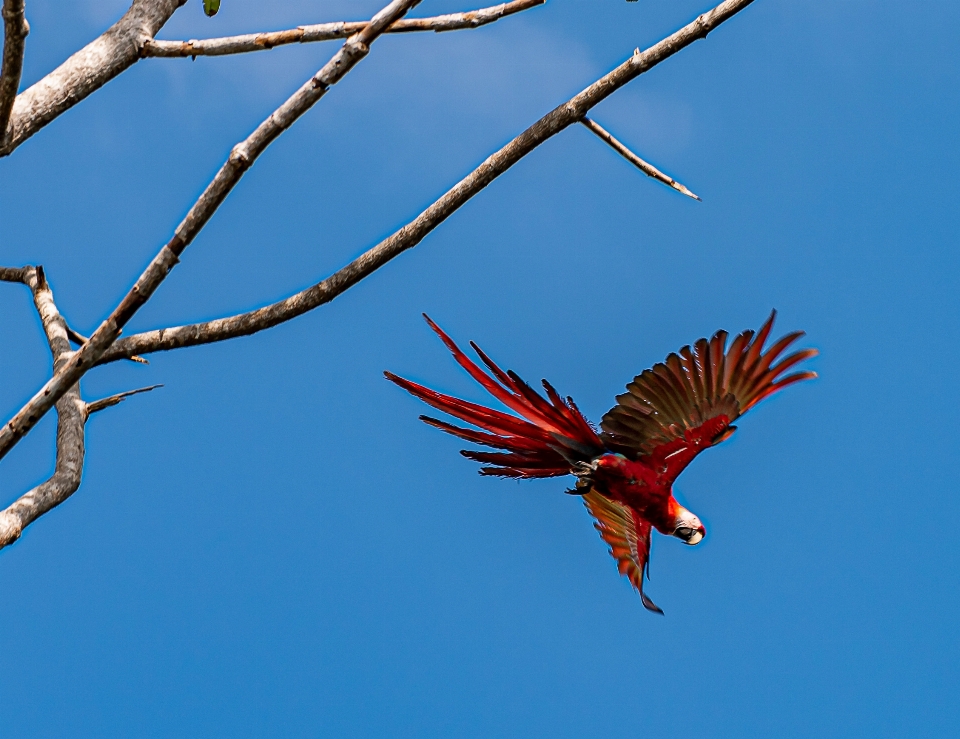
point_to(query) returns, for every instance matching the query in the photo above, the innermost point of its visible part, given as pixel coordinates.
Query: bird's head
(689, 529)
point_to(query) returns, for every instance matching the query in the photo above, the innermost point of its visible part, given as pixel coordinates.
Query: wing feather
(697, 393)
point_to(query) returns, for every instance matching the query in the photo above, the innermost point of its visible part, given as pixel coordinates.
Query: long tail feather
(544, 440)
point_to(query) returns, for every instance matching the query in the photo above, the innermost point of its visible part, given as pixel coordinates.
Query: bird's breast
(628, 481)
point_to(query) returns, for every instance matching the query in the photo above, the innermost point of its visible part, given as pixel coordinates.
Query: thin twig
(15, 30)
(410, 235)
(99, 405)
(89, 69)
(71, 416)
(329, 31)
(239, 161)
(644, 166)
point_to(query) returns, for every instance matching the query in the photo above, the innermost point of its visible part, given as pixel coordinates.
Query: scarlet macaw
(625, 473)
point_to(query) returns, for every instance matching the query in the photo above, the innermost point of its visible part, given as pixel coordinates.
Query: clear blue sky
(273, 545)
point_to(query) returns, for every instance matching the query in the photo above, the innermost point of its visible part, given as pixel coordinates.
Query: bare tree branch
(15, 30)
(644, 166)
(329, 31)
(99, 405)
(573, 111)
(131, 39)
(71, 416)
(239, 161)
(86, 71)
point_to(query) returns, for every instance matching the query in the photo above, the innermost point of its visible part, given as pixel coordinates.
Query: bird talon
(584, 470)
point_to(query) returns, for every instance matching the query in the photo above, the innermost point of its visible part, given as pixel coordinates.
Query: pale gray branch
(329, 31)
(86, 71)
(240, 159)
(71, 416)
(15, 30)
(644, 166)
(573, 111)
(99, 405)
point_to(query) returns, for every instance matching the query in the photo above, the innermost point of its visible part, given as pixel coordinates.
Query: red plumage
(626, 470)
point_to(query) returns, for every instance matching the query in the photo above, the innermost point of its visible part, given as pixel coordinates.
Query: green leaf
(210, 7)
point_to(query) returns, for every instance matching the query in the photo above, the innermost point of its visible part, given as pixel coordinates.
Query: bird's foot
(583, 471)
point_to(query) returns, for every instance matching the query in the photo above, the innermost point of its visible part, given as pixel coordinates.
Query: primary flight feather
(626, 470)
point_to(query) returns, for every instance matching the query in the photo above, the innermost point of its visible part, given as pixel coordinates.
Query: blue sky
(273, 545)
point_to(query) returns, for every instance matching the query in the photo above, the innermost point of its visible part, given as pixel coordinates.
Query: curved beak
(690, 536)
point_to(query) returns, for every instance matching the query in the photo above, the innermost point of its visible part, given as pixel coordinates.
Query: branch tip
(644, 166)
(99, 405)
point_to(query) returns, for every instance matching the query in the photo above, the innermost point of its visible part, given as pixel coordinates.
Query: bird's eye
(683, 532)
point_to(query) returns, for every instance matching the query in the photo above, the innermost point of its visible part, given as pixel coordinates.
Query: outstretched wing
(545, 440)
(681, 406)
(628, 536)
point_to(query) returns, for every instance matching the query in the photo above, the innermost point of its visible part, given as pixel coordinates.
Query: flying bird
(625, 470)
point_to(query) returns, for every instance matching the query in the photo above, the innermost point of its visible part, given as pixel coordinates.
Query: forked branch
(62, 391)
(132, 38)
(570, 112)
(329, 31)
(239, 161)
(71, 416)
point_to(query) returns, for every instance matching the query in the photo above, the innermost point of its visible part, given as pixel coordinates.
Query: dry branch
(131, 38)
(644, 166)
(573, 111)
(98, 405)
(241, 158)
(329, 31)
(86, 71)
(71, 416)
(15, 30)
